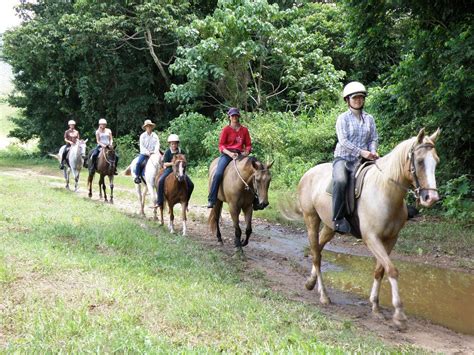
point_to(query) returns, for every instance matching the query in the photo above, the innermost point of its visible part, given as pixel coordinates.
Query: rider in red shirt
(234, 141)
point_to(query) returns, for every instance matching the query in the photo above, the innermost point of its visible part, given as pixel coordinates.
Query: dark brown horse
(105, 167)
(245, 179)
(176, 191)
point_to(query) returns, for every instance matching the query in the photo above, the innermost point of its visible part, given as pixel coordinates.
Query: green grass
(78, 276)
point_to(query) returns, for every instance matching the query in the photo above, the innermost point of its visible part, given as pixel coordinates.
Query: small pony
(176, 191)
(105, 167)
(74, 161)
(245, 180)
(381, 208)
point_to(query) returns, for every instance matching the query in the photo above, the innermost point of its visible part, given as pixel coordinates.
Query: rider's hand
(234, 155)
(245, 153)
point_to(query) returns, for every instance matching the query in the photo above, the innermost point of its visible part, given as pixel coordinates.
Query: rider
(149, 144)
(356, 137)
(103, 138)
(174, 148)
(233, 141)
(71, 136)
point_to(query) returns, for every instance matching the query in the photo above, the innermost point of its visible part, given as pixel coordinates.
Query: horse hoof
(401, 325)
(325, 300)
(90, 195)
(310, 283)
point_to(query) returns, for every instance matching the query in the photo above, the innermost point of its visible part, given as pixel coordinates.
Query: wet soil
(279, 253)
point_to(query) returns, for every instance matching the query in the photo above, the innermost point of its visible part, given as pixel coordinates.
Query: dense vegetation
(183, 63)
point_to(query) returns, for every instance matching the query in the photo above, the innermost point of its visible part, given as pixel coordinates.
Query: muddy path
(278, 252)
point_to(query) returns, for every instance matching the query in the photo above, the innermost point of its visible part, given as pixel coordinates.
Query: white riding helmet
(102, 121)
(354, 87)
(173, 138)
(71, 122)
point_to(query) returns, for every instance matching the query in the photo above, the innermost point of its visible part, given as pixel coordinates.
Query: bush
(458, 198)
(192, 129)
(127, 148)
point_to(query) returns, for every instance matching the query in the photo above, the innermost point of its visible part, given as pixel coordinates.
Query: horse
(381, 209)
(105, 167)
(152, 168)
(74, 161)
(176, 191)
(245, 179)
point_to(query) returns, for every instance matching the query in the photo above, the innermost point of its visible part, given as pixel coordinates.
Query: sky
(8, 17)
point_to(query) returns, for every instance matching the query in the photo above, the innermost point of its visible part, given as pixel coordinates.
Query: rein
(111, 163)
(247, 186)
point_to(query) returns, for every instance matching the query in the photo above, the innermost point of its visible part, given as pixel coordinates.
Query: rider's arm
(342, 136)
(167, 157)
(65, 138)
(247, 143)
(143, 149)
(111, 138)
(223, 143)
(157, 145)
(374, 137)
(97, 138)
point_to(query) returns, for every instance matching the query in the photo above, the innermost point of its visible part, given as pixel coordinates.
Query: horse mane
(179, 156)
(393, 164)
(250, 160)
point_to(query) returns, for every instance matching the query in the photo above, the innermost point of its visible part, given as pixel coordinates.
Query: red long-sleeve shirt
(235, 140)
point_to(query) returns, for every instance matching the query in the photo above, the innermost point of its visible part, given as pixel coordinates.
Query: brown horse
(245, 179)
(381, 208)
(105, 167)
(176, 191)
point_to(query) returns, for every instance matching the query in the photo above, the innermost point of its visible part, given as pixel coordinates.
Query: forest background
(284, 63)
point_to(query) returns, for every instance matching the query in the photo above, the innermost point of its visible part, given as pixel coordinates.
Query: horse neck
(393, 174)
(75, 155)
(244, 171)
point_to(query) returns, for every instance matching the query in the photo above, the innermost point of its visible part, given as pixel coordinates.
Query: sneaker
(138, 180)
(342, 226)
(210, 204)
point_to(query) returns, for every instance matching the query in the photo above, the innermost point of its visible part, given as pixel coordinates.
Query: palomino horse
(176, 191)
(105, 167)
(381, 209)
(245, 179)
(152, 168)
(74, 161)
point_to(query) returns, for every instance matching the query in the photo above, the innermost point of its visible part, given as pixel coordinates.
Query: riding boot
(342, 226)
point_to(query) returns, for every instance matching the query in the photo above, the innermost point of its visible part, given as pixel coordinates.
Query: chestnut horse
(245, 179)
(105, 167)
(381, 208)
(176, 191)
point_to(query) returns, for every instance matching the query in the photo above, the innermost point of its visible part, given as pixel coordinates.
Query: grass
(79, 276)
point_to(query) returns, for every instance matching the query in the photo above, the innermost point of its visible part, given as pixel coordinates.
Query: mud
(279, 253)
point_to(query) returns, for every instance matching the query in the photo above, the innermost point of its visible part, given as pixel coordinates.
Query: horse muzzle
(428, 197)
(260, 206)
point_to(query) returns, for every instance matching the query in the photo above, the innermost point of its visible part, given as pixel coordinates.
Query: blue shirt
(354, 135)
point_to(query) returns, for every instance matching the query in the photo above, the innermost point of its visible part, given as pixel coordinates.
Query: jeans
(66, 149)
(138, 167)
(224, 160)
(340, 177)
(161, 187)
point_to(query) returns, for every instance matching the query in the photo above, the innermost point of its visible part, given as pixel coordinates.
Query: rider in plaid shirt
(357, 137)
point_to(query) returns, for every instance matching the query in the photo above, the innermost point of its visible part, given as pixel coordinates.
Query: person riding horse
(104, 138)
(71, 136)
(233, 141)
(174, 148)
(356, 137)
(149, 144)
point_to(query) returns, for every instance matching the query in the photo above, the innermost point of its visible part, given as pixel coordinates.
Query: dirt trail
(283, 262)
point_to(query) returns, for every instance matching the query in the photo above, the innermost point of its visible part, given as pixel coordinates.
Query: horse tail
(214, 216)
(128, 171)
(290, 208)
(56, 156)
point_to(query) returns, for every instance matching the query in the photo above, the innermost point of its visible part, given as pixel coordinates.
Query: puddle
(442, 296)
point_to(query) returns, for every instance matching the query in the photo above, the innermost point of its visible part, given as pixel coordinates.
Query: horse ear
(421, 135)
(435, 135)
(270, 164)
(86, 140)
(255, 164)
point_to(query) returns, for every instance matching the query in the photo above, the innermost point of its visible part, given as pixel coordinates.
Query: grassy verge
(78, 276)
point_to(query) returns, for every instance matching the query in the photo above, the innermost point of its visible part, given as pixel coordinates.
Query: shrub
(127, 148)
(458, 198)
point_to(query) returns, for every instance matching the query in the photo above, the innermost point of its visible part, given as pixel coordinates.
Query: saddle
(354, 189)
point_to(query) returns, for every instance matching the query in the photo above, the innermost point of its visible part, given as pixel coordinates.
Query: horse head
(82, 147)
(261, 182)
(423, 160)
(179, 167)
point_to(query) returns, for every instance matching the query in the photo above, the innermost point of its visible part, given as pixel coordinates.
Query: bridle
(110, 162)
(412, 169)
(253, 188)
(176, 174)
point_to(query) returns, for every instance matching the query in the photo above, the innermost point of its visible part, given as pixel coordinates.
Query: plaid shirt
(354, 135)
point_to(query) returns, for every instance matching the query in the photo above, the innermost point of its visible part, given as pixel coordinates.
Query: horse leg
(171, 223)
(111, 182)
(248, 222)
(381, 253)
(162, 208)
(89, 184)
(217, 210)
(234, 212)
(184, 208)
(66, 176)
(317, 244)
(138, 189)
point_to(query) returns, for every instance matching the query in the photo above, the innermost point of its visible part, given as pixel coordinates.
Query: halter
(412, 170)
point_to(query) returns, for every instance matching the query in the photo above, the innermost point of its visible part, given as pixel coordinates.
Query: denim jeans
(138, 167)
(224, 160)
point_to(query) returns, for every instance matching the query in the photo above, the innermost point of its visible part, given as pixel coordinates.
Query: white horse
(74, 160)
(151, 170)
